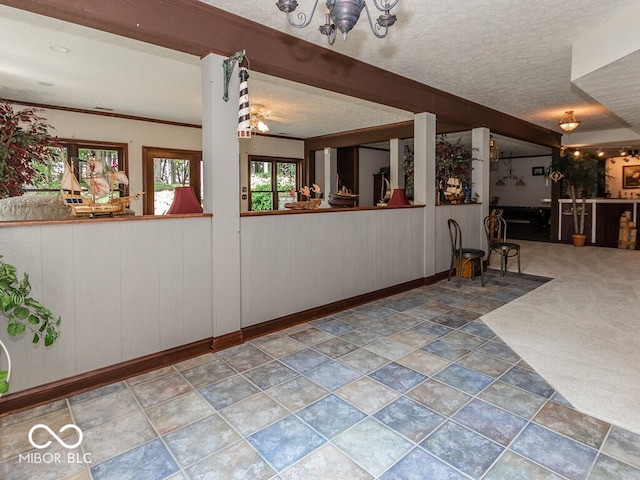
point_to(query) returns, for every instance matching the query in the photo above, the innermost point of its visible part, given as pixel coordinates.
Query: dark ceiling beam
(196, 28)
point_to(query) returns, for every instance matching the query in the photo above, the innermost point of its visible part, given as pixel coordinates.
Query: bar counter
(602, 220)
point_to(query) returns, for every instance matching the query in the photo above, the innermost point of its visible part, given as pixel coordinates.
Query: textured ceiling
(512, 56)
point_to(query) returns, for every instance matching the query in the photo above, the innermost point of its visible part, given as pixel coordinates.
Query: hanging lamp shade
(184, 201)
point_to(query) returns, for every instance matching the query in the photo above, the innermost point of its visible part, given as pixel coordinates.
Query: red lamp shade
(184, 201)
(398, 197)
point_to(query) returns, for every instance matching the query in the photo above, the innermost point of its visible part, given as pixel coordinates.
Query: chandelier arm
(386, 6)
(302, 17)
(331, 38)
(375, 28)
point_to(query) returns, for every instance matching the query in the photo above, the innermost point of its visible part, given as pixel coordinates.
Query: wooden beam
(193, 27)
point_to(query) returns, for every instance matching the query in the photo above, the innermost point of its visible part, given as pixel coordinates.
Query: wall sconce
(494, 151)
(568, 123)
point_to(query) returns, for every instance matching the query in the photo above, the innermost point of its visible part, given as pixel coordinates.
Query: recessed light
(59, 49)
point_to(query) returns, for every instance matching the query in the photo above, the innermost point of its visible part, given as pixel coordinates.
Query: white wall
(530, 195)
(614, 183)
(370, 161)
(134, 133)
(291, 263)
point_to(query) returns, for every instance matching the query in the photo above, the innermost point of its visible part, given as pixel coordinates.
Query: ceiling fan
(258, 115)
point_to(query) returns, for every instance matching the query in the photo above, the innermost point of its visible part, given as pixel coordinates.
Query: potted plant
(453, 167)
(580, 173)
(23, 313)
(24, 143)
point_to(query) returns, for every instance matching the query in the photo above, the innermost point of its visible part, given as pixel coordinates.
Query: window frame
(73, 146)
(274, 174)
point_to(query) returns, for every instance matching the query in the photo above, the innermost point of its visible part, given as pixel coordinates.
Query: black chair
(462, 256)
(495, 228)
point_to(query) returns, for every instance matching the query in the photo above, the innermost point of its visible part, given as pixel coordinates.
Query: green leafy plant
(24, 143)
(408, 167)
(453, 160)
(580, 174)
(23, 313)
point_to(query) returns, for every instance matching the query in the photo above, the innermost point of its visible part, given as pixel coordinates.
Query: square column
(424, 182)
(480, 138)
(221, 186)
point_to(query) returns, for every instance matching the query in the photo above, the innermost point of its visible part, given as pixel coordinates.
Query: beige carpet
(581, 331)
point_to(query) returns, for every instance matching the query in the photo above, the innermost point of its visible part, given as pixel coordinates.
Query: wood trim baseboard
(287, 321)
(227, 341)
(76, 384)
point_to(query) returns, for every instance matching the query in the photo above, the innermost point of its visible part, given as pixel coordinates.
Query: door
(164, 170)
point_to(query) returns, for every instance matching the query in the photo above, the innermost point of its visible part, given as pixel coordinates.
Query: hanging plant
(24, 143)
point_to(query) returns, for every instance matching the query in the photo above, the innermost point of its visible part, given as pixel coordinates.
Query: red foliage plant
(24, 139)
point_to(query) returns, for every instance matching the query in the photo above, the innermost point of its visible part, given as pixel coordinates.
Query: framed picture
(631, 176)
(537, 171)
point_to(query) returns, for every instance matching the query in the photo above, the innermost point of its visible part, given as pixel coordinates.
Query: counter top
(602, 200)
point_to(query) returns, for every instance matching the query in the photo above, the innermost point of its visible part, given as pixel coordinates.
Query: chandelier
(568, 123)
(342, 15)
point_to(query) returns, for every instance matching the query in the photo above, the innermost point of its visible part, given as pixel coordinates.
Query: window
(271, 180)
(76, 153)
(163, 171)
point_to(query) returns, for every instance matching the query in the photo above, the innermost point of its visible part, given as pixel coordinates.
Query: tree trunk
(574, 205)
(582, 214)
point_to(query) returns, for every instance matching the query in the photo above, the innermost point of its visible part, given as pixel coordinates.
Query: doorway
(165, 169)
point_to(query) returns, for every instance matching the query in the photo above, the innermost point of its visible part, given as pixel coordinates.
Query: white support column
(396, 156)
(424, 182)
(330, 169)
(221, 185)
(480, 138)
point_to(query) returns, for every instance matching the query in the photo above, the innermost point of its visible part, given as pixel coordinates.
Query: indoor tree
(580, 173)
(24, 143)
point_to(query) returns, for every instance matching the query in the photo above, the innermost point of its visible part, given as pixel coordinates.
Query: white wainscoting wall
(291, 263)
(124, 289)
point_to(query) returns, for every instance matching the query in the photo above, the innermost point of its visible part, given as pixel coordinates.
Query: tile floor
(414, 386)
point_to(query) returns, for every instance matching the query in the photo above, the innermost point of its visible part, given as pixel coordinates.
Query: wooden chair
(461, 256)
(495, 228)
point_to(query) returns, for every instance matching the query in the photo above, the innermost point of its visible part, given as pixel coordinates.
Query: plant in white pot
(23, 314)
(581, 173)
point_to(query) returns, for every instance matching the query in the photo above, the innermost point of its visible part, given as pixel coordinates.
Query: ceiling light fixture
(342, 15)
(510, 176)
(568, 123)
(59, 49)
(257, 119)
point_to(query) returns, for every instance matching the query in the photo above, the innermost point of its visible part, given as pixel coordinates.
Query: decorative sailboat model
(343, 196)
(101, 199)
(385, 192)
